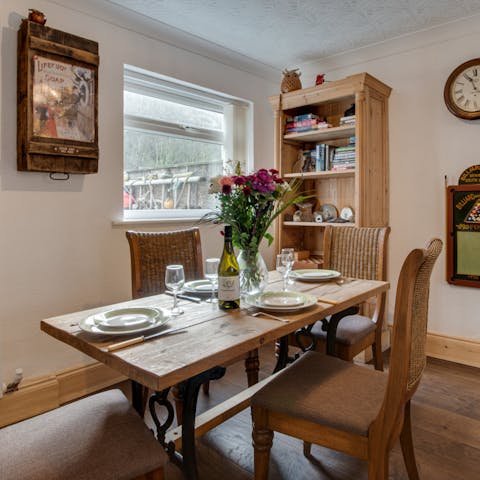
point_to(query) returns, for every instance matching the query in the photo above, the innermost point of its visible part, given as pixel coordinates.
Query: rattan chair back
(408, 359)
(151, 252)
(357, 252)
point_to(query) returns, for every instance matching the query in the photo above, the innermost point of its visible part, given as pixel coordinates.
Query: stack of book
(305, 123)
(350, 120)
(344, 157)
(319, 159)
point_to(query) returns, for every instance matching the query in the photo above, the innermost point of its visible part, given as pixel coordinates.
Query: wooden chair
(96, 438)
(151, 252)
(362, 412)
(358, 252)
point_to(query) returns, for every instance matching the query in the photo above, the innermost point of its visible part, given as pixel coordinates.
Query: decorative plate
(328, 211)
(123, 321)
(314, 275)
(281, 301)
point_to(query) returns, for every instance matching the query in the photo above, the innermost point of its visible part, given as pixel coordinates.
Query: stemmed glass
(288, 259)
(211, 274)
(174, 280)
(281, 269)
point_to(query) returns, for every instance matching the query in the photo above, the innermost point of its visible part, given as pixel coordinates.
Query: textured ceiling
(286, 33)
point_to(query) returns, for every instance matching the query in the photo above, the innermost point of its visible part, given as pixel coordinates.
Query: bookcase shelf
(364, 189)
(321, 135)
(317, 175)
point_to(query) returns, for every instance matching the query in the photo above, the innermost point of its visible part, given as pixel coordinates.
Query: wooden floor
(446, 429)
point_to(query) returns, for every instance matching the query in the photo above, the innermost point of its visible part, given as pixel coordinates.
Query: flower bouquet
(250, 204)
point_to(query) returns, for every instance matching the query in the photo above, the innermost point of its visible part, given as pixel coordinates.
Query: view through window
(176, 138)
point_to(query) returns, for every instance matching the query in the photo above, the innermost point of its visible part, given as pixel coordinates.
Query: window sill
(155, 217)
(125, 222)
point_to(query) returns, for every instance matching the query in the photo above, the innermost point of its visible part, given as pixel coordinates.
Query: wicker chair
(150, 253)
(352, 409)
(358, 252)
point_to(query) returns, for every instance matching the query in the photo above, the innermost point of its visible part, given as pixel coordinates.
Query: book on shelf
(349, 120)
(307, 128)
(305, 116)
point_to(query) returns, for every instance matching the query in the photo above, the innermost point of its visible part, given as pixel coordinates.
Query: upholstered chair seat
(325, 379)
(350, 330)
(99, 437)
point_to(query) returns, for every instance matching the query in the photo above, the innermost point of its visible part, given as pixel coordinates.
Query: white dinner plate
(314, 275)
(198, 286)
(281, 301)
(122, 321)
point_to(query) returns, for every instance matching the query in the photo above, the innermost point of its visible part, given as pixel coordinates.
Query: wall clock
(462, 90)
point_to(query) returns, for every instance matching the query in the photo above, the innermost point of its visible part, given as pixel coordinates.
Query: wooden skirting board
(454, 349)
(49, 392)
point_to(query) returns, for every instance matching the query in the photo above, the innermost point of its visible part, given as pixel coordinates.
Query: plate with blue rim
(281, 301)
(314, 275)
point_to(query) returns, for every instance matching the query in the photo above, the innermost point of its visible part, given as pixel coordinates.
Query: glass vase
(253, 272)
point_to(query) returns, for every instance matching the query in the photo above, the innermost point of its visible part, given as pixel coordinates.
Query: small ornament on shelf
(36, 16)
(291, 81)
(320, 79)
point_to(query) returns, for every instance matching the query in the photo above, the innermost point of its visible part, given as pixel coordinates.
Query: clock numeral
(475, 72)
(459, 83)
(466, 103)
(475, 105)
(458, 92)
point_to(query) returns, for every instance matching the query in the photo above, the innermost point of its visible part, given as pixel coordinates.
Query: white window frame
(237, 142)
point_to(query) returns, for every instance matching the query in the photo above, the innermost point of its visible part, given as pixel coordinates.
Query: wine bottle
(228, 275)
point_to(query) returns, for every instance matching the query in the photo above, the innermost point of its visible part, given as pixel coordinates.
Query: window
(176, 137)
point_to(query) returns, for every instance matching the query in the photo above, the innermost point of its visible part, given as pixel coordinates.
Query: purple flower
(264, 176)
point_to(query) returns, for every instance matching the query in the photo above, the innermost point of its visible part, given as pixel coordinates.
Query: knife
(133, 341)
(185, 297)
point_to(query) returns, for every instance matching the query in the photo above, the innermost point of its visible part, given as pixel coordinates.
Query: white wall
(426, 143)
(59, 251)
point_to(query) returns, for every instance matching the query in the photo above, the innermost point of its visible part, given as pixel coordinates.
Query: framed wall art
(57, 112)
(463, 229)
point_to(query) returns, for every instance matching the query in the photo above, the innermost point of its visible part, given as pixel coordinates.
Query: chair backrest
(357, 252)
(151, 252)
(407, 358)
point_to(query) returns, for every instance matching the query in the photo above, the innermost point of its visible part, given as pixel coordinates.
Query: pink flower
(226, 181)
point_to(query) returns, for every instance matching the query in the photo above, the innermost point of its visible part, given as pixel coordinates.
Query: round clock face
(462, 90)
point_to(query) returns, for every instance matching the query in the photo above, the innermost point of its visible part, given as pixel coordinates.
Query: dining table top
(210, 336)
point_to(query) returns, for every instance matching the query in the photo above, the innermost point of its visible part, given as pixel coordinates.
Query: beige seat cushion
(97, 438)
(350, 330)
(326, 390)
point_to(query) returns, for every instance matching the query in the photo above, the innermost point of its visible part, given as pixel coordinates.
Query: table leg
(138, 399)
(191, 389)
(282, 357)
(252, 366)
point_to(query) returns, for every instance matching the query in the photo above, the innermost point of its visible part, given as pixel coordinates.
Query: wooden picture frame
(57, 108)
(463, 235)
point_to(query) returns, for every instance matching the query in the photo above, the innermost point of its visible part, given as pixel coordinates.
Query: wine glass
(174, 280)
(211, 274)
(288, 259)
(281, 269)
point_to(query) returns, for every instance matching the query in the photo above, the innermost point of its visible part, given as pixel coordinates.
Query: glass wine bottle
(228, 275)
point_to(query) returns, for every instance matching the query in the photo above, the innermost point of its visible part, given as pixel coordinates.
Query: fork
(273, 317)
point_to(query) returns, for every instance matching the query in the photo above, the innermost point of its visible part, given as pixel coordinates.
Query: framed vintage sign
(57, 113)
(463, 230)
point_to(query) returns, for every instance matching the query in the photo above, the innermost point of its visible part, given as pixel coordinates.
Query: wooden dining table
(209, 339)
